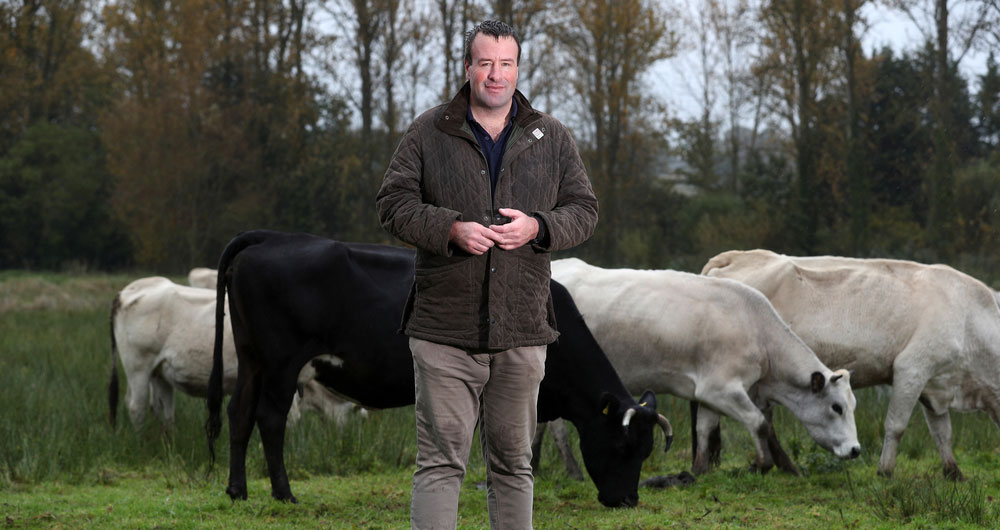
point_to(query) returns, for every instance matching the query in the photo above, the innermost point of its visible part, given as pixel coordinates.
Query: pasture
(62, 465)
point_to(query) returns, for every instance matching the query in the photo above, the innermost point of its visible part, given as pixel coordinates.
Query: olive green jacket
(438, 175)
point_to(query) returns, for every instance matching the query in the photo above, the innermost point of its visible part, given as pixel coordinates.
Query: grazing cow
(163, 334)
(294, 296)
(931, 332)
(717, 342)
(202, 277)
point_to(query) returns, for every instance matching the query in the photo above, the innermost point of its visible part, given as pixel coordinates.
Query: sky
(887, 27)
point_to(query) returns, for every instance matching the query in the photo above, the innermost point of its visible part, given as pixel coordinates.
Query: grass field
(63, 466)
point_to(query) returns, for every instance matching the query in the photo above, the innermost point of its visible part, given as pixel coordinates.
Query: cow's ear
(610, 405)
(817, 382)
(648, 400)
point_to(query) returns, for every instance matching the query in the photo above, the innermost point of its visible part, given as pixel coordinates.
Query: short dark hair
(495, 29)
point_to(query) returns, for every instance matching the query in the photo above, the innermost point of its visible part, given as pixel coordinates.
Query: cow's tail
(116, 304)
(213, 425)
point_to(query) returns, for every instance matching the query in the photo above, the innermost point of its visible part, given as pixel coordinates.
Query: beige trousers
(455, 389)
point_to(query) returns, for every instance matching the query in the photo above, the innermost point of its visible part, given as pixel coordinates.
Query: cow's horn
(668, 431)
(628, 417)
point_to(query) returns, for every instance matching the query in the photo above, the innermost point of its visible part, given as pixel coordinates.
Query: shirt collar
(513, 112)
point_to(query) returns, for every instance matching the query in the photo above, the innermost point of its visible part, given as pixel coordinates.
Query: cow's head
(614, 444)
(827, 412)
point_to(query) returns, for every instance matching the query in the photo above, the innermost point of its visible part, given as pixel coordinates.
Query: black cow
(293, 297)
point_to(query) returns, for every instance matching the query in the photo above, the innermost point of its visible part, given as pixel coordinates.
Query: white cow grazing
(164, 334)
(930, 331)
(717, 342)
(203, 277)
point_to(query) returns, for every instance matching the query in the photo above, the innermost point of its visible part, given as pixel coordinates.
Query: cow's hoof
(953, 473)
(792, 470)
(287, 497)
(236, 493)
(884, 474)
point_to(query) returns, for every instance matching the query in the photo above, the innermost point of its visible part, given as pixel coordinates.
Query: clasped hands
(476, 239)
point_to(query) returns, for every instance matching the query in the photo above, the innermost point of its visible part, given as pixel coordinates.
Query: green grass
(62, 465)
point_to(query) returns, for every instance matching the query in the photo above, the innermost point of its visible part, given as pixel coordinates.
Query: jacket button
(486, 218)
(493, 269)
(482, 171)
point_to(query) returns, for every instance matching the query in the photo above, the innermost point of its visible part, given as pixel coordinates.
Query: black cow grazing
(293, 297)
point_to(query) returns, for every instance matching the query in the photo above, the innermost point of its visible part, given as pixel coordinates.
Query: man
(484, 187)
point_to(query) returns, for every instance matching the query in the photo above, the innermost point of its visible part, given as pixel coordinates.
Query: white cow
(164, 334)
(717, 342)
(930, 331)
(203, 277)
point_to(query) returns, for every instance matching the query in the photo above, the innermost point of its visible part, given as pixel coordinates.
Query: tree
(607, 46)
(947, 36)
(798, 42)
(214, 110)
(53, 202)
(732, 25)
(988, 106)
(858, 181)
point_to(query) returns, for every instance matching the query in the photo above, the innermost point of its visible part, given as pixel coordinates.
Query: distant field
(62, 465)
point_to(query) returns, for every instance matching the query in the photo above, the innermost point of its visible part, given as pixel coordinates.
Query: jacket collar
(452, 120)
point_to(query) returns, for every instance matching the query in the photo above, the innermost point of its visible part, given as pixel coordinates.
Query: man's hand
(473, 238)
(521, 229)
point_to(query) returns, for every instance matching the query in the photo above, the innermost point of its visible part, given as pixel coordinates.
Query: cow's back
(642, 317)
(859, 314)
(169, 328)
(305, 296)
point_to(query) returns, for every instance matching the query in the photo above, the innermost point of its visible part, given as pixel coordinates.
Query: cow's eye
(838, 409)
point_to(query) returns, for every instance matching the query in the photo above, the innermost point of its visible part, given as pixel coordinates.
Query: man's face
(493, 71)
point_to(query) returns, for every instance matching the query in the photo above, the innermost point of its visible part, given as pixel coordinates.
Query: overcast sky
(887, 28)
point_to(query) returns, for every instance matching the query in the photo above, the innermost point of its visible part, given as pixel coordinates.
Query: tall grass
(54, 366)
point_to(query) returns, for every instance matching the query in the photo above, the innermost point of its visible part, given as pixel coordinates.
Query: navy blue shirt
(493, 151)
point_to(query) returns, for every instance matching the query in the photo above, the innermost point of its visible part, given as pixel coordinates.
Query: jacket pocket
(443, 297)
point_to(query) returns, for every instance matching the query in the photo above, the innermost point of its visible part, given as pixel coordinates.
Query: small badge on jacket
(538, 134)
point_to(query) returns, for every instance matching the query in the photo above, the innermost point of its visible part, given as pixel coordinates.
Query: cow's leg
(908, 383)
(272, 415)
(161, 399)
(714, 444)
(781, 459)
(241, 410)
(137, 397)
(940, 428)
(562, 444)
(706, 422)
(536, 446)
(736, 404)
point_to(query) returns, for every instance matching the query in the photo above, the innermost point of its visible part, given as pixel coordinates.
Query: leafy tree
(53, 202)
(214, 112)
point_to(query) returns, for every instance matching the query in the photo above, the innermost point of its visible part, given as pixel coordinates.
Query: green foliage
(54, 194)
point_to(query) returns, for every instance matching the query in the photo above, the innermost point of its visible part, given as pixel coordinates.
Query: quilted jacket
(438, 175)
